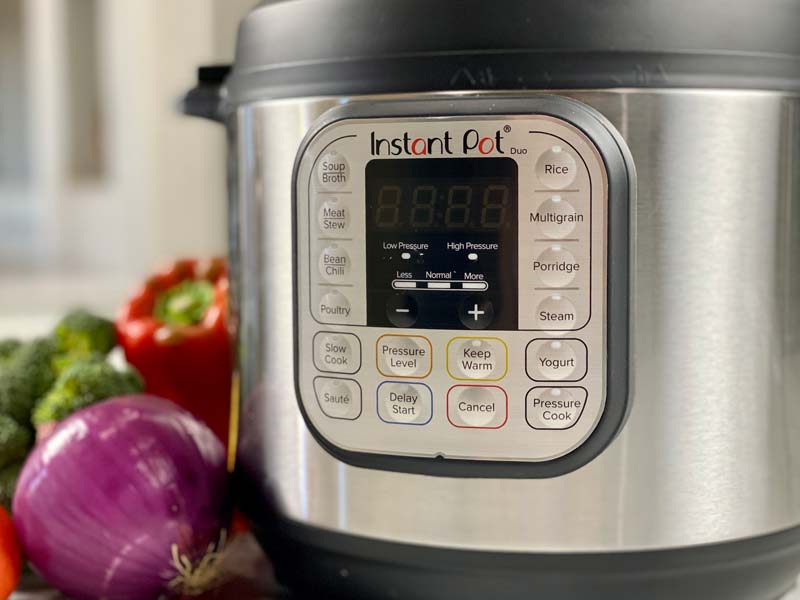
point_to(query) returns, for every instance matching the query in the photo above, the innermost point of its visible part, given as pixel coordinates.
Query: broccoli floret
(83, 383)
(26, 377)
(8, 348)
(8, 483)
(15, 441)
(81, 333)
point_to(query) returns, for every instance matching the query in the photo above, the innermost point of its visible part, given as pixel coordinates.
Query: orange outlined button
(405, 356)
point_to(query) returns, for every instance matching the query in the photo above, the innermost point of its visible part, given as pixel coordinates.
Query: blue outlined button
(404, 403)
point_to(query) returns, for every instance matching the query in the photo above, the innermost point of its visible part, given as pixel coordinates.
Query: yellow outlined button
(477, 358)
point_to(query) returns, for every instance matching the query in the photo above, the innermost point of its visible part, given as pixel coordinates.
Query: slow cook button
(338, 398)
(337, 352)
(403, 356)
(477, 406)
(554, 408)
(334, 307)
(477, 358)
(556, 168)
(334, 263)
(556, 360)
(333, 172)
(405, 403)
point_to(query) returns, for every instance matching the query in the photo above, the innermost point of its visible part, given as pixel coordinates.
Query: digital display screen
(442, 243)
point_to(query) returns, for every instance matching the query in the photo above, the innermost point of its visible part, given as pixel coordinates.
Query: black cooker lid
(295, 48)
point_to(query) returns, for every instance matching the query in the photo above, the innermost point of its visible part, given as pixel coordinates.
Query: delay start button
(554, 408)
(403, 356)
(405, 403)
(337, 352)
(477, 406)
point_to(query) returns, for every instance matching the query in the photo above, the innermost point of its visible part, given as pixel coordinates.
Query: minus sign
(402, 310)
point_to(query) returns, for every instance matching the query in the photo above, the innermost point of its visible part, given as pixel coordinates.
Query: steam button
(556, 313)
(556, 168)
(333, 171)
(338, 398)
(337, 352)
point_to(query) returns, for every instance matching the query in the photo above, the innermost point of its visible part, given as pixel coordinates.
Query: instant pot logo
(471, 142)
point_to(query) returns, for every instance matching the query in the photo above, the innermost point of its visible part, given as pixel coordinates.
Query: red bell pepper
(174, 331)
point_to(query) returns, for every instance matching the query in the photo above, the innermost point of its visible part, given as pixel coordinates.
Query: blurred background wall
(100, 178)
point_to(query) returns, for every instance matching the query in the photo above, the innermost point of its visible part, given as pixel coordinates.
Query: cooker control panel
(452, 286)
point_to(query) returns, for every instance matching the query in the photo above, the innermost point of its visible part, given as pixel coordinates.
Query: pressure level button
(404, 356)
(405, 403)
(333, 171)
(557, 168)
(338, 398)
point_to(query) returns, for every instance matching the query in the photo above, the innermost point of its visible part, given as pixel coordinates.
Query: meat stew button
(338, 398)
(405, 403)
(554, 408)
(477, 406)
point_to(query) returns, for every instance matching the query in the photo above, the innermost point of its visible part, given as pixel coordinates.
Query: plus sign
(475, 312)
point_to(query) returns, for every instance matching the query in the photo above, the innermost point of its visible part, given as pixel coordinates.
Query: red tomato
(10, 556)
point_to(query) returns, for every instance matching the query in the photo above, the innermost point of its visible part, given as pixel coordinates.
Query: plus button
(476, 312)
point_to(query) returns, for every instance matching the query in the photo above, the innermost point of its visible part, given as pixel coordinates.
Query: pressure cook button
(335, 263)
(338, 398)
(401, 310)
(334, 217)
(477, 358)
(337, 352)
(554, 408)
(556, 217)
(476, 312)
(404, 356)
(405, 403)
(556, 313)
(556, 360)
(333, 172)
(477, 406)
(556, 267)
(556, 168)
(334, 307)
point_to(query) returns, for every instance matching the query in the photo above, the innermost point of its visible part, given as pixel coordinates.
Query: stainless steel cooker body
(711, 449)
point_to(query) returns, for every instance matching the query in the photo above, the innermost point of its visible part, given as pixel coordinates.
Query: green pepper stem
(185, 303)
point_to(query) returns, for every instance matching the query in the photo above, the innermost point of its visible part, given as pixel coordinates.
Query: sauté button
(337, 352)
(476, 312)
(401, 310)
(334, 217)
(334, 263)
(405, 403)
(556, 217)
(403, 356)
(556, 360)
(556, 313)
(334, 307)
(556, 267)
(338, 398)
(554, 408)
(477, 358)
(333, 172)
(477, 406)
(556, 168)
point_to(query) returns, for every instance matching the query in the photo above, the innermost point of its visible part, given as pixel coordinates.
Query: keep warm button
(554, 408)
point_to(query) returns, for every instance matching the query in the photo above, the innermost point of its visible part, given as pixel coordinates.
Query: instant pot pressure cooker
(516, 289)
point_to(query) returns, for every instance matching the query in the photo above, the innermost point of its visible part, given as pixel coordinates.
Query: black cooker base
(323, 565)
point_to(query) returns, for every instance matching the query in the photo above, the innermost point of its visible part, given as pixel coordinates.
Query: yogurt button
(473, 406)
(337, 352)
(333, 172)
(556, 360)
(335, 263)
(338, 398)
(556, 313)
(405, 403)
(333, 217)
(334, 307)
(556, 267)
(556, 217)
(556, 168)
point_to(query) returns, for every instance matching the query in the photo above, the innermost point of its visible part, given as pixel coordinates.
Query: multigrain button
(556, 360)
(556, 168)
(556, 217)
(554, 408)
(338, 398)
(477, 358)
(334, 263)
(556, 267)
(556, 313)
(403, 356)
(405, 403)
(334, 307)
(333, 172)
(333, 217)
(337, 352)
(477, 406)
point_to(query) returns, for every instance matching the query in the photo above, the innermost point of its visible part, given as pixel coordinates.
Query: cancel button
(554, 408)
(477, 406)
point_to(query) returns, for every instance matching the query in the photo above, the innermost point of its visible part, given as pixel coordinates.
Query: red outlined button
(477, 406)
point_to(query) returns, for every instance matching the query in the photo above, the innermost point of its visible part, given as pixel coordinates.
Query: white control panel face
(451, 278)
